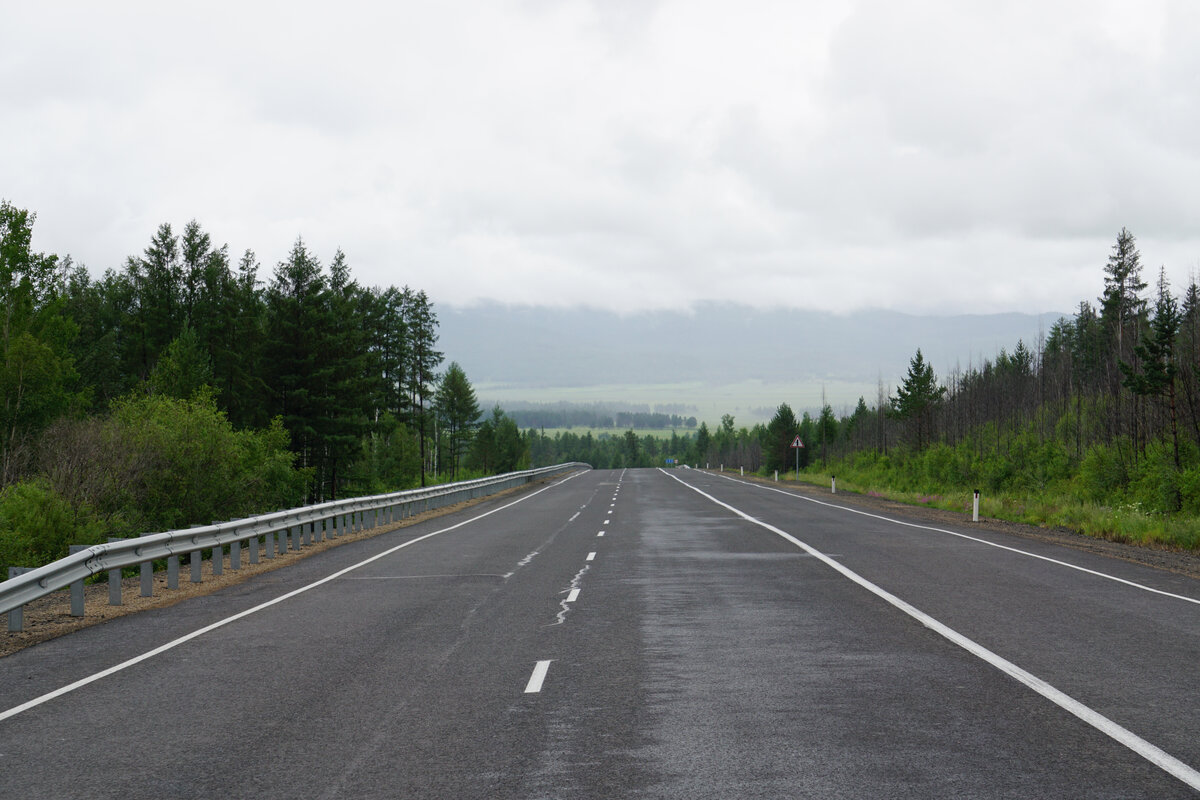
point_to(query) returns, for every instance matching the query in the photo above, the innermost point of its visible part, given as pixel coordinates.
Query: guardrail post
(281, 541)
(173, 571)
(305, 534)
(318, 529)
(252, 543)
(294, 536)
(16, 617)
(194, 561)
(235, 553)
(114, 581)
(218, 560)
(146, 578)
(77, 586)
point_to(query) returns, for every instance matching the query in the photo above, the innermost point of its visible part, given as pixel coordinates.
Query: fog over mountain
(719, 358)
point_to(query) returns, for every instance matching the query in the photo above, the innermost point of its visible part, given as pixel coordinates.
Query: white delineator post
(975, 513)
(833, 484)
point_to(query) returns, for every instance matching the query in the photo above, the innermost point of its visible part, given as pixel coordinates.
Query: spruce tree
(781, 432)
(298, 332)
(1155, 374)
(916, 399)
(457, 414)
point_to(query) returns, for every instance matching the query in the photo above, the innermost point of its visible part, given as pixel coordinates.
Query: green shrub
(37, 525)
(1155, 484)
(1102, 473)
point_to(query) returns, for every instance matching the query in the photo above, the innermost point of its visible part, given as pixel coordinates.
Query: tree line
(1105, 407)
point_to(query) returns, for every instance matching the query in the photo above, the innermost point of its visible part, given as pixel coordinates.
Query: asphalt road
(639, 634)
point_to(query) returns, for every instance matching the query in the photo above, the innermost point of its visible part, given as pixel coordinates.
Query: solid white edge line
(538, 677)
(1067, 564)
(1150, 752)
(79, 684)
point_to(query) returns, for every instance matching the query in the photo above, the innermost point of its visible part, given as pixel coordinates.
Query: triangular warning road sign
(797, 443)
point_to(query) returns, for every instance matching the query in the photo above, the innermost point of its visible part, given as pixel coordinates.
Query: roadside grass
(1129, 524)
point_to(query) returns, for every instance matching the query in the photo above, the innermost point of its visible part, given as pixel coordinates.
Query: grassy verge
(1129, 524)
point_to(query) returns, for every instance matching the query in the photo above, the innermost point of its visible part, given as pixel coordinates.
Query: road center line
(574, 517)
(79, 684)
(538, 677)
(1155, 755)
(1067, 564)
(590, 557)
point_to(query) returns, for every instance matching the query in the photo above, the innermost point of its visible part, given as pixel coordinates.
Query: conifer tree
(298, 331)
(457, 413)
(423, 359)
(781, 432)
(1156, 356)
(917, 397)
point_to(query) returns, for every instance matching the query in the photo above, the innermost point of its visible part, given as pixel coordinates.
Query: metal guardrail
(302, 526)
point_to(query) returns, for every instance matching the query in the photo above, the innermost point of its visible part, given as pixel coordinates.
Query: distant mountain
(540, 354)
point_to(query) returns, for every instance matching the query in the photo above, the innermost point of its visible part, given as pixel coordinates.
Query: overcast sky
(934, 157)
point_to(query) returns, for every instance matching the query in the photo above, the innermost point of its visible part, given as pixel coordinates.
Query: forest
(188, 386)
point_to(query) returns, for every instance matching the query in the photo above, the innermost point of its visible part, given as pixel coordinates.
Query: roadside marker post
(975, 513)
